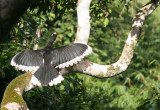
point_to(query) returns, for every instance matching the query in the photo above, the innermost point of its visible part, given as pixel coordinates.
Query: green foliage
(136, 88)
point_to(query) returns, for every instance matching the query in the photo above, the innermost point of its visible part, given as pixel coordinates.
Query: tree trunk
(10, 12)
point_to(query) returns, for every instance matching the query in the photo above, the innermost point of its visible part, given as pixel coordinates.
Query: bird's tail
(46, 74)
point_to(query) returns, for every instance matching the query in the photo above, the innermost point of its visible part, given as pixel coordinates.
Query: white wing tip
(35, 81)
(24, 68)
(56, 80)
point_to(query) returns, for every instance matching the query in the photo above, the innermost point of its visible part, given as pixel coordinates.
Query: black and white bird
(46, 61)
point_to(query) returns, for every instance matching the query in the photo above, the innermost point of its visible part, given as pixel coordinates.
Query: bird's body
(45, 61)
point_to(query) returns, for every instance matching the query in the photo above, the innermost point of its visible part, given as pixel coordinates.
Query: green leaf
(16, 30)
(106, 22)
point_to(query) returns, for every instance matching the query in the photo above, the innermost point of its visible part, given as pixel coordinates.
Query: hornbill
(46, 61)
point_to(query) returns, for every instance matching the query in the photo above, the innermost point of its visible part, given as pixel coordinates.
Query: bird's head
(52, 39)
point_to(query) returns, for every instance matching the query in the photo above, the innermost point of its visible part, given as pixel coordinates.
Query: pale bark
(83, 28)
(38, 33)
(121, 65)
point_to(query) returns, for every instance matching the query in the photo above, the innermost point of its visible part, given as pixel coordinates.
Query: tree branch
(12, 98)
(121, 65)
(83, 29)
(38, 33)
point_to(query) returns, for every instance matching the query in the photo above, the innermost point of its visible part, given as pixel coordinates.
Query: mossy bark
(14, 91)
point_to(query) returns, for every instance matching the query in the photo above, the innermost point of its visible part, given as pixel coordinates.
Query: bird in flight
(46, 61)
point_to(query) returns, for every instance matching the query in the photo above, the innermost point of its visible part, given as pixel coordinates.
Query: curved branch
(121, 65)
(12, 98)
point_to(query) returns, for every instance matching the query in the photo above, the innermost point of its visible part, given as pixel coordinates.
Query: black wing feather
(70, 54)
(28, 58)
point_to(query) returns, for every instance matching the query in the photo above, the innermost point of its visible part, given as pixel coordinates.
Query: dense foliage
(136, 88)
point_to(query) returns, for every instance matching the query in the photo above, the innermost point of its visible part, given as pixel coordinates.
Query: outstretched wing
(28, 60)
(71, 54)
